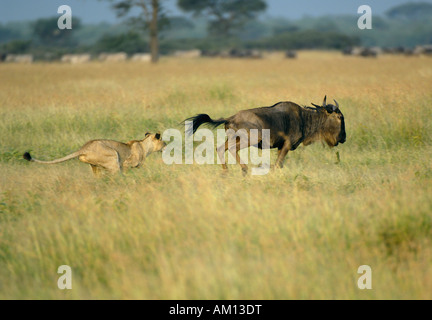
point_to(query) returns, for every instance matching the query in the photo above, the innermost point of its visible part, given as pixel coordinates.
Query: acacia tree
(151, 17)
(225, 15)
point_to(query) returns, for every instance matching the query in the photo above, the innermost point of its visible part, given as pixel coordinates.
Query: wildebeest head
(334, 125)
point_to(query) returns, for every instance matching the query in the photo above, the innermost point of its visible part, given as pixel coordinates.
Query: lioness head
(156, 141)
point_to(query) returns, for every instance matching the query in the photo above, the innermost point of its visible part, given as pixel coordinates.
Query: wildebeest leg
(221, 153)
(282, 154)
(234, 151)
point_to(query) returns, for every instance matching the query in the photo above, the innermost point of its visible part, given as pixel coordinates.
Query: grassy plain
(186, 231)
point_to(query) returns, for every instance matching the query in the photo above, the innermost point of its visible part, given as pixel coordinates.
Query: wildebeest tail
(200, 119)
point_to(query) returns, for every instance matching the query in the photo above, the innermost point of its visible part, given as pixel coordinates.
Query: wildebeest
(19, 58)
(289, 125)
(113, 57)
(425, 49)
(188, 54)
(76, 58)
(237, 53)
(290, 54)
(141, 57)
(362, 51)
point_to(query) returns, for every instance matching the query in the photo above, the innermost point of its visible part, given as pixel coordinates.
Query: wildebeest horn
(325, 101)
(317, 106)
(337, 104)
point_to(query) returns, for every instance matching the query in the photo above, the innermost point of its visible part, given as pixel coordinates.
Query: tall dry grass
(188, 232)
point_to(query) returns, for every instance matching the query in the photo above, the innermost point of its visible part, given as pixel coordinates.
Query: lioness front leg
(112, 163)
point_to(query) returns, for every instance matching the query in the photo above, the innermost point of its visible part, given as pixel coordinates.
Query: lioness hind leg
(96, 170)
(106, 158)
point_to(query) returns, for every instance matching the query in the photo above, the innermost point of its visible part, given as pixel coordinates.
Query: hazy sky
(94, 11)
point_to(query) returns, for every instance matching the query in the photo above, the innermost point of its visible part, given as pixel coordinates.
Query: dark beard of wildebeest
(289, 125)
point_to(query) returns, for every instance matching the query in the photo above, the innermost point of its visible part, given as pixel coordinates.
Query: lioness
(112, 155)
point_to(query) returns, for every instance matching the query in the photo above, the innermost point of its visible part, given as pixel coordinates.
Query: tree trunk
(154, 39)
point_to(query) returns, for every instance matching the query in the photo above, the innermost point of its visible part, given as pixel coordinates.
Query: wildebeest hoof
(224, 173)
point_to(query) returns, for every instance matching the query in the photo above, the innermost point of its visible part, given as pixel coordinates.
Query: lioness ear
(147, 134)
(158, 135)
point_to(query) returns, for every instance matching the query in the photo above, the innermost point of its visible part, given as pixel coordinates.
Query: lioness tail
(28, 157)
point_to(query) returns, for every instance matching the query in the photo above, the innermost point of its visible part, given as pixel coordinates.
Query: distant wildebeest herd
(196, 53)
(79, 58)
(375, 51)
(288, 124)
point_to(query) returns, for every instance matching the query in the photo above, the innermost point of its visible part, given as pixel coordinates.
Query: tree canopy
(48, 33)
(225, 15)
(151, 17)
(130, 43)
(411, 11)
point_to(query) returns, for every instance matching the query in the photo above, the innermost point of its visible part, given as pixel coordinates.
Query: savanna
(189, 232)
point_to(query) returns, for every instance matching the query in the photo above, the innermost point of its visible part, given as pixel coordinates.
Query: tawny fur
(111, 155)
